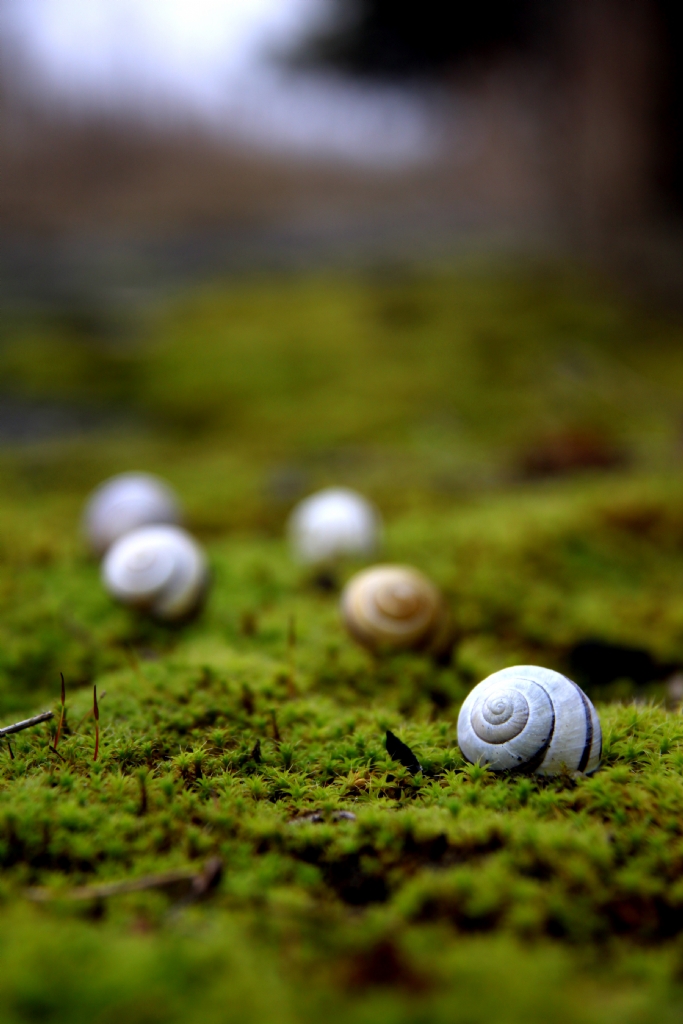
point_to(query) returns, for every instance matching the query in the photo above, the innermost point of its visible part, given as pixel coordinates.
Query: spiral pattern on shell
(393, 607)
(124, 503)
(529, 718)
(331, 524)
(158, 569)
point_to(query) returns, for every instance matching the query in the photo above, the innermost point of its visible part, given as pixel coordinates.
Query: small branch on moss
(27, 723)
(9, 747)
(96, 713)
(61, 717)
(192, 885)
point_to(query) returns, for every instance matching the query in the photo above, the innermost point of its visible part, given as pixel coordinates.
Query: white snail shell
(393, 607)
(159, 569)
(331, 524)
(530, 719)
(125, 503)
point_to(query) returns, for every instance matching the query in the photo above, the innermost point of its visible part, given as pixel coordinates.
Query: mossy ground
(454, 895)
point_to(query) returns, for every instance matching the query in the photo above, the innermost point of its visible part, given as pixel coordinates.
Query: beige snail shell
(530, 719)
(394, 607)
(124, 503)
(334, 523)
(158, 569)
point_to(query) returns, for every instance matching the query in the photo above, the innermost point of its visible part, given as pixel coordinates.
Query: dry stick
(96, 713)
(27, 723)
(199, 882)
(61, 717)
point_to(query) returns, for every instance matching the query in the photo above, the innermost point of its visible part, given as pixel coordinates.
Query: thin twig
(97, 892)
(96, 713)
(61, 717)
(27, 723)
(198, 884)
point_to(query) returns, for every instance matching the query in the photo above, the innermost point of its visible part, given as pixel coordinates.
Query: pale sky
(211, 58)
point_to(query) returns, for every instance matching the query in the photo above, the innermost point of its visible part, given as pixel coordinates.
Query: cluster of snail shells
(150, 562)
(395, 608)
(125, 503)
(157, 569)
(530, 719)
(332, 524)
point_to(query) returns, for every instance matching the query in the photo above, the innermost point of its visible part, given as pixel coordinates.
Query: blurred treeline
(598, 80)
(559, 120)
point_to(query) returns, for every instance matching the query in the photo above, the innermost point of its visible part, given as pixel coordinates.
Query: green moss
(453, 895)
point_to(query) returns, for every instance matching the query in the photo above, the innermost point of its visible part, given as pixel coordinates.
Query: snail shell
(394, 607)
(125, 503)
(530, 719)
(331, 524)
(159, 569)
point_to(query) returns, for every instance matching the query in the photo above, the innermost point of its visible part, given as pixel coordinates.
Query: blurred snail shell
(331, 524)
(394, 607)
(124, 503)
(159, 569)
(530, 719)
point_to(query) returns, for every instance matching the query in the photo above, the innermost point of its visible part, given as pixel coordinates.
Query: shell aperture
(331, 524)
(159, 569)
(392, 606)
(530, 718)
(127, 502)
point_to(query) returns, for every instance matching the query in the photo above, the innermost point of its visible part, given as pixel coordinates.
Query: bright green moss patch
(351, 890)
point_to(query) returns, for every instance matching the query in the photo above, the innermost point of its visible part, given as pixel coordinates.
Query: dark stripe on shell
(536, 760)
(583, 760)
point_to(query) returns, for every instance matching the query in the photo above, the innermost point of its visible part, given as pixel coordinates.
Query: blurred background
(148, 147)
(140, 141)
